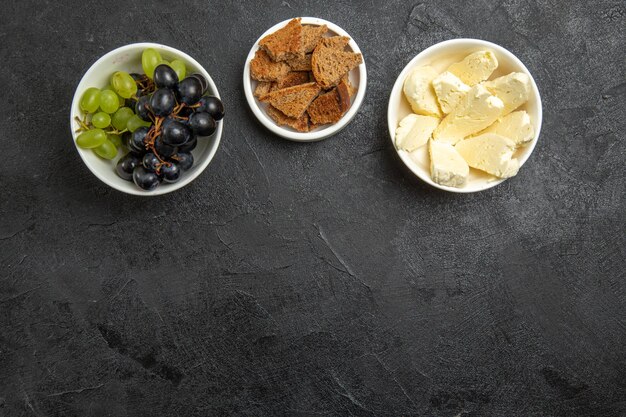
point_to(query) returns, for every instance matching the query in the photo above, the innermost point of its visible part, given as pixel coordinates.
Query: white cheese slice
(414, 131)
(449, 90)
(419, 92)
(475, 68)
(476, 111)
(447, 167)
(490, 153)
(515, 126)
(513, 89)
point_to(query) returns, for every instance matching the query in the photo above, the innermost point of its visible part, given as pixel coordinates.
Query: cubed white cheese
(414, 131)
(475, 68)
(477, 110)
(513, 89)
(449, 90)
(515, 126)
(419, 92)
(447, 167)
(490, 153)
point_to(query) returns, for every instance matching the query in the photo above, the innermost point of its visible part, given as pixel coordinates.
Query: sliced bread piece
(326, 108)
(335, 42)
(262, 68)
(311, 36)
(346, 82)
(330, 65)
(285, 43)
(343, 91)
(300, 124)
(293, 78)
(301, 63)
(263, 88)
(293, 101)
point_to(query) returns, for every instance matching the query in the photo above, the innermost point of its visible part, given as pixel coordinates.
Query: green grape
(122, 100)
(150, 59)
(135, 123)
(115, 140)
(120, 117)
(109, 101)
(91, 138)
(107, 150)
(123, 84)
(101, 120)
(90, 101)
(179, 68)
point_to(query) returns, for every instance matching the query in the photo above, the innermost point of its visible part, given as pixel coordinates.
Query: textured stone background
(314, 279)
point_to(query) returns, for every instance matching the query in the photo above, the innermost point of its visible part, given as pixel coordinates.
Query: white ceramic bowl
(440, 56)
(358, 78)
(128, 58)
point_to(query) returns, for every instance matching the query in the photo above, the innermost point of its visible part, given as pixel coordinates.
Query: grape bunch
(157, 116)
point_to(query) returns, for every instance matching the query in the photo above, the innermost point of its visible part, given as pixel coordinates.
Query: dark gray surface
(314, 279)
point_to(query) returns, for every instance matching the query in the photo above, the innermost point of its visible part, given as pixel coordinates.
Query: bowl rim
(471, 42)
(164, 188)
(327, 131)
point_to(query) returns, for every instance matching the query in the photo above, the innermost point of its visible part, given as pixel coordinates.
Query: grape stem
(116, 132)
(155, 131)
(146, 84)
(83, 124)
(178, 108)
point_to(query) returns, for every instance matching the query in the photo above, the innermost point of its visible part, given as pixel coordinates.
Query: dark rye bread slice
(304, 63)
(330, 65)
(263, 87)
(329, 107)
(300, 64)
(346, 82)
(343, 91)
(262, 68)
(325, 108)
(293, 101)
(293, 78)
(335, 42)
(311, 36)
(285, 43)
(300, 124)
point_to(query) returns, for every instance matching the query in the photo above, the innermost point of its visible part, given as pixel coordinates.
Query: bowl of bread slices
(464, 115)
(305, 79)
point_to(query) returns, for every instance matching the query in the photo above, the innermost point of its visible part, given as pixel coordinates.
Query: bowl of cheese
(464, 115)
